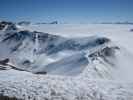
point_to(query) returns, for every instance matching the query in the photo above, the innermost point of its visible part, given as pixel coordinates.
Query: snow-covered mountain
(68, 60)
(69, 54)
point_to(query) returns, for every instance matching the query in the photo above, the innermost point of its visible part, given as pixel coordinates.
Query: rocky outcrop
(4, 25)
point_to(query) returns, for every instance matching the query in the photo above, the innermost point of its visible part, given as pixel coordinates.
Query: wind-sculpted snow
(27, 86)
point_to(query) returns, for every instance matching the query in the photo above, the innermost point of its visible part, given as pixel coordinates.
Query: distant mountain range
(54, 22)
(24, 23)
(126, 22)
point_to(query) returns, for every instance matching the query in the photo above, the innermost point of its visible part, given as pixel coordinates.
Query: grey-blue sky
(74, 11)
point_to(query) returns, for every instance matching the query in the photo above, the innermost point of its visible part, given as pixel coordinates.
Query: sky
(67, 11)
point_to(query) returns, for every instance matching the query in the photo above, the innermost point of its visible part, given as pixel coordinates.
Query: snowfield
(28, 86)
(67, 62)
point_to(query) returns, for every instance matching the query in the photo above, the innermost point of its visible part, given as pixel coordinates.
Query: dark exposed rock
(5, 61)
(131, 30)
(26, 63)
(41, 72)
(3, 24)
(105, 52)
(10, 25)
(102, 40)
(2, 68)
